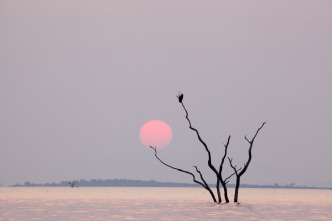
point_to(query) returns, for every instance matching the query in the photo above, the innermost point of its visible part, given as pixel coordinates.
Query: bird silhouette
(180, 97)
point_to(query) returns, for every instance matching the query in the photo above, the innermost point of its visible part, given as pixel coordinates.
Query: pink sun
(155, 133)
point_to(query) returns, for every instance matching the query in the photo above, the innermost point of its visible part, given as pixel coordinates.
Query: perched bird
(180, 97)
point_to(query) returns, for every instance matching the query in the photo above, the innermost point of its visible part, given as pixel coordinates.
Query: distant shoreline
(151, 183)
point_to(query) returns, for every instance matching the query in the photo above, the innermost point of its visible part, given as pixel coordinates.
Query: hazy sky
(78, 79)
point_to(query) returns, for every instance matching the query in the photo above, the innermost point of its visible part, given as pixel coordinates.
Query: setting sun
(155, 133)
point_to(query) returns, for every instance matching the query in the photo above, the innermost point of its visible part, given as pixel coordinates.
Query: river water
(158, 203)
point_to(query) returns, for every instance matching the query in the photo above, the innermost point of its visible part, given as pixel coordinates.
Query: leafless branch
(220, 179)
(204, 184)
(257, 132)
(245, 166)
(174, 168)
(225, 153)
(201, 175)
(251, 142)
(233, 167)
(202, 142)
(226, 180)
(245, 137)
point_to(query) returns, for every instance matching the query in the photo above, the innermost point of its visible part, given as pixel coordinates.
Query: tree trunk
(212, 195)
(218, 191)
(225, 192)
(237, 189)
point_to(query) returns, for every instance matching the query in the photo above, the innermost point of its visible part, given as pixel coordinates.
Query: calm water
(111, 203)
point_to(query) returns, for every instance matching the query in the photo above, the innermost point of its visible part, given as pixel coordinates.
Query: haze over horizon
(78, 79)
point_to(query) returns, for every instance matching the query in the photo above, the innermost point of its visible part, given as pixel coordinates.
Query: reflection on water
(111, 203)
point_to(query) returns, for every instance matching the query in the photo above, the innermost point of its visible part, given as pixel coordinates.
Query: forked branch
(221, 180)
(234, 167)
(251, 142)
(227, 179)
(204, 184)
(240, 172)
(202, 178)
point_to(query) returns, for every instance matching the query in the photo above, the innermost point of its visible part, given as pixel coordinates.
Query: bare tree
(218, 173)
(239, 172)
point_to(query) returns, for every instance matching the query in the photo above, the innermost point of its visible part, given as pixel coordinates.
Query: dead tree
(239, 172)
(218, 173)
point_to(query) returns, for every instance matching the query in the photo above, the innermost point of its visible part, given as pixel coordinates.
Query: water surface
(158, 203)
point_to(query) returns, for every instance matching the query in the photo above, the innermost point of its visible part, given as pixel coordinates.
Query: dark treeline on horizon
(141, 183)
(109, 183)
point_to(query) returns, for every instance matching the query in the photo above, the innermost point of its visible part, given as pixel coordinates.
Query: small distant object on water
(73, 184)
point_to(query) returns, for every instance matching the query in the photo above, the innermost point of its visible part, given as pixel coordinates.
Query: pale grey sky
(79, 78)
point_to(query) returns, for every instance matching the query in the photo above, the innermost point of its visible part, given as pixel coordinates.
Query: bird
(180, 97)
